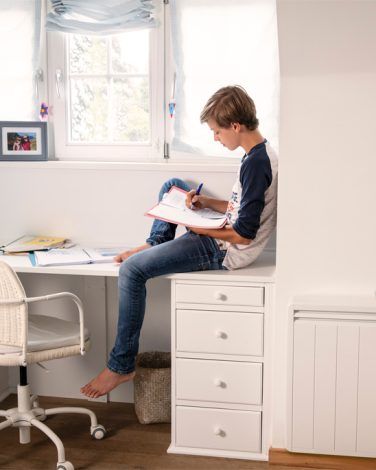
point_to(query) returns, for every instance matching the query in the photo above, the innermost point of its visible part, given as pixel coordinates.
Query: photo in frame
(24, 141)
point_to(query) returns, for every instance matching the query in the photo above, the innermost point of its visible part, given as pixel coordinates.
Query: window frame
(59, 116)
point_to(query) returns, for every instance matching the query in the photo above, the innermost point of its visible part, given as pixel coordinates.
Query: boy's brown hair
(228, 105)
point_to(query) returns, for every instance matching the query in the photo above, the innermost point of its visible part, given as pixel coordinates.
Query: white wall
(327, 191)
(93, 203)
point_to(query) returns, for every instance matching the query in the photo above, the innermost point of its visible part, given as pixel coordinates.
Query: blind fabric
(100, 17)
(229, 43)
(20, 29)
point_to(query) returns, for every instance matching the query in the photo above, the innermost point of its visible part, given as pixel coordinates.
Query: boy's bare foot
(126, 254)
(104, 383)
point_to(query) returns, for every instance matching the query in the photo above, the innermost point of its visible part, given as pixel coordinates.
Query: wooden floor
(128, 444)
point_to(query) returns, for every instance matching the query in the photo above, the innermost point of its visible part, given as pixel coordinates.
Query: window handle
(58, 81)
(38, 78)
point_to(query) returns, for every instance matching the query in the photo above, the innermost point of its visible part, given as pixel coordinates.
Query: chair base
(28, 413)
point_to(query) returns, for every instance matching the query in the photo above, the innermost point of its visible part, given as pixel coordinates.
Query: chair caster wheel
(98, 432)
(65, 466)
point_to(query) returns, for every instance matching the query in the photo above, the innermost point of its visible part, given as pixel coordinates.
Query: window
(111, 94)
(106, 95)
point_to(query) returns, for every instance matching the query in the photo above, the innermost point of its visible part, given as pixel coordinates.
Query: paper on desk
(176, 198)
(70, 256)
(61, 257)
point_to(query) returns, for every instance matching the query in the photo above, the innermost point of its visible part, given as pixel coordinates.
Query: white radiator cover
(332, 376)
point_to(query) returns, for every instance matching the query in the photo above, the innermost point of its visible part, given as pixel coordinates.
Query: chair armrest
(58, 295)
(79, 305)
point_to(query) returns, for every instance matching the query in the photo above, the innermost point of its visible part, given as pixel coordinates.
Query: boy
(251, 214)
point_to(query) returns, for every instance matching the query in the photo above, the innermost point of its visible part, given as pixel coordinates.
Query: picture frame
(24, 141)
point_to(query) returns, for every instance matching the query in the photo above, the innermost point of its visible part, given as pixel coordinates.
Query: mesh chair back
(13, 317)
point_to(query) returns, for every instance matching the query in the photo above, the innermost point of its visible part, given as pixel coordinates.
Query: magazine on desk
(73, 256)
(172, 208)
(28, 243)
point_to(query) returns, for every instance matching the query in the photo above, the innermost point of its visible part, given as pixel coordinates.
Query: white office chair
(26, 339)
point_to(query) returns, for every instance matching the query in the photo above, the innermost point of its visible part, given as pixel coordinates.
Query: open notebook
(172, 208)
(70, 256)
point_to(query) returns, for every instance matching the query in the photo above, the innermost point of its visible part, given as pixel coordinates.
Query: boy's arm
(215, 204)
(227, 234)
(255, 178)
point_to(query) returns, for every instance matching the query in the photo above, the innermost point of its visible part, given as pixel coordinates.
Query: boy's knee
(174, 182)
(129, 269)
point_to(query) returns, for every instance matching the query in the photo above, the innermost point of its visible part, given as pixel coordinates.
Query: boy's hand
(195, 202)
(126, 254)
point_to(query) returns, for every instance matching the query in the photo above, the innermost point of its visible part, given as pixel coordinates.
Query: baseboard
(327, 462)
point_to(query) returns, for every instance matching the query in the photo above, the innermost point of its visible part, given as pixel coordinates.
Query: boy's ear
(235, 126)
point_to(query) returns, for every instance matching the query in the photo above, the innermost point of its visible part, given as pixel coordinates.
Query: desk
(22, 264)
(262, 270)
(242, 300)
(96, 285)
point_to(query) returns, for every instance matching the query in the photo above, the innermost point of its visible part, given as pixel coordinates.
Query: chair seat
(48, 333)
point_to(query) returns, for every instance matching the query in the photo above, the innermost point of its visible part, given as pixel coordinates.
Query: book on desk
(73, 256)
(29, 243)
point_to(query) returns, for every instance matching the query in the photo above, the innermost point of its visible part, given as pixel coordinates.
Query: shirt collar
(254, 149)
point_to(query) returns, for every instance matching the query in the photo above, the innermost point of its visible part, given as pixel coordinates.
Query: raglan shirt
(252, 209)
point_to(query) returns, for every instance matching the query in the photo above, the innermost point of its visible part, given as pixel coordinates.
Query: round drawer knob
(219, 432)
(219, 296)
(219, 383)
(220, 334)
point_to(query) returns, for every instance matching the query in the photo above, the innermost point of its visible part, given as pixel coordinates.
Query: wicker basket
(152, 387)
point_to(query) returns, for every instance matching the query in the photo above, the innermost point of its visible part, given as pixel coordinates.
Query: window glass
(87, 54)
(126, 58)
(109, 88)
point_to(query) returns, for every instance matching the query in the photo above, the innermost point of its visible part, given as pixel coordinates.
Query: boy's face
(228, 137)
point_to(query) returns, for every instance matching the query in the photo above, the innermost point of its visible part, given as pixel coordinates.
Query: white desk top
(22, 264)
(262, 270)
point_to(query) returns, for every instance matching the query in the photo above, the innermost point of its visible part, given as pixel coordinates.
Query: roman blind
(21, 79)
(100, 17)
(216, 44)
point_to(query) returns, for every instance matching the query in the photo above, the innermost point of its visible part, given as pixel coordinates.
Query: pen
(198, 190)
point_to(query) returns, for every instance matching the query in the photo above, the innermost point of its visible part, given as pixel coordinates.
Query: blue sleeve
(255, 178)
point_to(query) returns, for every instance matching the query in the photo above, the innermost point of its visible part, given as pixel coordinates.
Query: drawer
(218, 429)
(219, 381)
(220, 295)
(216, 332)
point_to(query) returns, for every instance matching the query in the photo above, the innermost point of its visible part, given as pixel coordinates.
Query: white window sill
(168, 165)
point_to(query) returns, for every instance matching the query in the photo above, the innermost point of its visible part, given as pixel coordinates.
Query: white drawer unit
(219, 381)
(239, 333)
(220, 294)
(218, 429)
(220, 370)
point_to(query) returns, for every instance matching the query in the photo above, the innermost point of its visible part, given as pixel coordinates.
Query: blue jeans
(189, 252)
